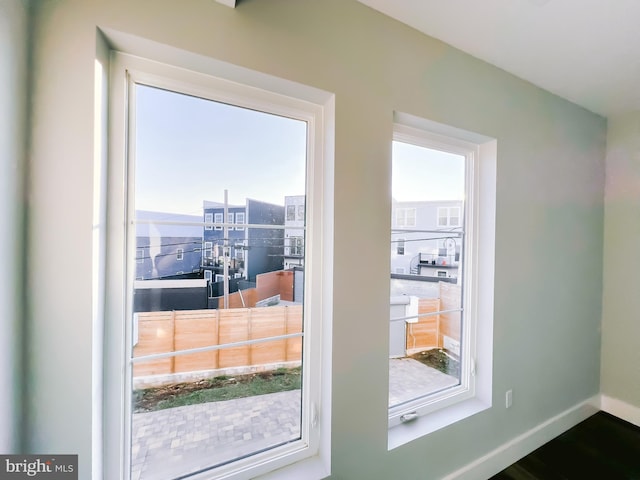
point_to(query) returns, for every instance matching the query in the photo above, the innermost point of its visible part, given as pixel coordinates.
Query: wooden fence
(267, 285)
(429, 332)
(160, 332)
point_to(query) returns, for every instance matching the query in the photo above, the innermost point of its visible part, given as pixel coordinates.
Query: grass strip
(216, 389)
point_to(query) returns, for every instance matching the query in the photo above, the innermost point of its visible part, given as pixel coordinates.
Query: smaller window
(208, 275)
(447, 185)
(291, 213)
(449, 216)
(301, 212)
(443, 218)
(400, 246)
(180, 254)
(217, 218)
(454, 216)
(208, 250)
(140, 255)
(240, 220)
(208, 218)
(230, 219)
(406, 217)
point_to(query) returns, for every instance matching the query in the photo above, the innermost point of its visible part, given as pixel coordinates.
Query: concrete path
(177, 441)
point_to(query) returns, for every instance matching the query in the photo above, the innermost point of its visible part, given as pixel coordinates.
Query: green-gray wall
(550, 187)
(14, 40)
(620, 379)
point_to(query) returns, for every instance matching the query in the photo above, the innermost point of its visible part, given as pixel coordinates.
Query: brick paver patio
(176, 441)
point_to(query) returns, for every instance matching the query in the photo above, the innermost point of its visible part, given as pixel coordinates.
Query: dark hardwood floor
(602, 447)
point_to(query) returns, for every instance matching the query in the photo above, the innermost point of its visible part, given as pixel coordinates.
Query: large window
(221, 379)
(435, 313)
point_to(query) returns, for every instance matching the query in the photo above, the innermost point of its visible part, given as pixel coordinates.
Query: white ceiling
(587, 51)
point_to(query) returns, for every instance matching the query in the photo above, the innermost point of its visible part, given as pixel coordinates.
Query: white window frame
(208, 247)
(208, 218)
(292, 207)
(447, 216)
(458, 215)
(443, 214)
(139, 255)
(239, 216)
(401, 243)
(305, 458)
(433, 412)
(217, 218)
(402, 216)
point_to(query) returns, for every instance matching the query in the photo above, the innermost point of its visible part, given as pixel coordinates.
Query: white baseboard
(620, 409)
(513, 450)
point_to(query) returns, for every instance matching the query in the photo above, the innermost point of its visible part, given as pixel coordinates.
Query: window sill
(429, 423)
(314, 468)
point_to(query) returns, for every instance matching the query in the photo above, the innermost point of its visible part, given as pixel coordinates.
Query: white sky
(189, 149)
(421, 173)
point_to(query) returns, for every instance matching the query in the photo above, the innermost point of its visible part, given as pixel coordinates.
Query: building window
(298, 340)
(180, 254)
(296, 245)
(208, 218)
(291, 213)
(240, 220)
(207, 253)
(217, 218)
(405, 217)
(301, 212)
(436, 314)
(449, 216)
(140, 255)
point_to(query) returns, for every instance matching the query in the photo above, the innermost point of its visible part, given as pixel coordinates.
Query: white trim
(228, 3)
(620, 409)
(474, 393)
(238, 215)
(188, 283)
(218, 220)
(513, 450)
(309, 457)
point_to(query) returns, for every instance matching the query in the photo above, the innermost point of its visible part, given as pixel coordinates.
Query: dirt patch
(440, 360)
